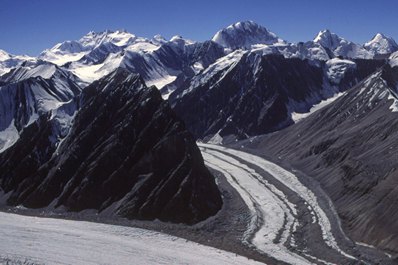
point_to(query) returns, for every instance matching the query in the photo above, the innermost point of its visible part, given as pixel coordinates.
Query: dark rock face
(202, 53)
(205, 52)
(257, 94)
(126, 152)
(351, 148)
(19, 163)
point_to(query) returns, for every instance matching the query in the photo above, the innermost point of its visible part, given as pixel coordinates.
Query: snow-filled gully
(274, 219)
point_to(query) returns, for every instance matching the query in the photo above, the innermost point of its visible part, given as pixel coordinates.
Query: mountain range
(182, 68)
(109, 122)
(162, 61)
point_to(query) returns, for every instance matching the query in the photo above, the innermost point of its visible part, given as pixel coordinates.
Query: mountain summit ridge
(98, 53)
(244, 35)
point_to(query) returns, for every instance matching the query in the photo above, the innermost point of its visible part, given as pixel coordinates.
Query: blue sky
(29, 26)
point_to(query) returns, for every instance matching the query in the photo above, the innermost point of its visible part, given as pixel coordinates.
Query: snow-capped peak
(70, 51)
(176, 38)
(9, 61)
(243, 35)
(42, 69)
(379, 36)
(4, 55)
(340, 46)
(329, 40)
(69, 46)
(118, 38)
(179, 40)
(158, 39)
(381, 44)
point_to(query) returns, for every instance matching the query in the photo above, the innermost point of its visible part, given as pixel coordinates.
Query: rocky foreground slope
(126, 152)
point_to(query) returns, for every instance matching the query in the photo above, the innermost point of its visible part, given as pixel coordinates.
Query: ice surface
(283, 176)
(268, 206)
(56, 241)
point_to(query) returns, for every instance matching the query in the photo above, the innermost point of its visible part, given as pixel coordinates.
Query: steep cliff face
(125, 151)
(350, 147)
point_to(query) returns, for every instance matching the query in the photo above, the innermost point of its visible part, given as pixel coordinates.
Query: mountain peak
(158, 39)
(176, 38)
(380, 36)
(381, 44)
(70, 46)
(118, 37)
(242, 35)
(41, 69)
(341, 47)
(247, 25)
(326, 33)
(328, 39)
(180, 41)
(122, 31)
(4, 55)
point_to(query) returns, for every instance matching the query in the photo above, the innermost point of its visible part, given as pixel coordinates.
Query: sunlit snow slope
(34, 240)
